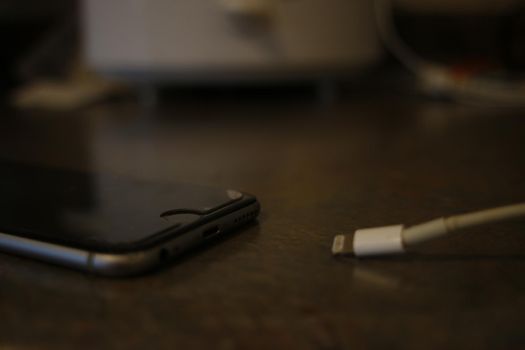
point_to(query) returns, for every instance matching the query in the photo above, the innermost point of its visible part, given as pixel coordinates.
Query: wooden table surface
(367, 160)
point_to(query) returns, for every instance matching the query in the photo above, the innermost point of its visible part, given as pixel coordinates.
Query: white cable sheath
(442, 226)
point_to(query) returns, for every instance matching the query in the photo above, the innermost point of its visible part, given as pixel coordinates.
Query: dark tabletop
(318, 170)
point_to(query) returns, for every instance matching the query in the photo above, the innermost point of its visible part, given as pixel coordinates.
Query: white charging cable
(437, 78)
(395, 239)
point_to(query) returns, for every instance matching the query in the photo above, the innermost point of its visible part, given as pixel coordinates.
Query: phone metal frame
(127, 263)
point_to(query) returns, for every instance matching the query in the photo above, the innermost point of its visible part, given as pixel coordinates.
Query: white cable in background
(439, 79)
(391, 39)
(395, 239)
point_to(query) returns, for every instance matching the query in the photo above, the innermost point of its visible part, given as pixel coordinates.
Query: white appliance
(189, 40)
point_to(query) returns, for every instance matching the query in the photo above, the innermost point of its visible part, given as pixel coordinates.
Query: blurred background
(70, 54)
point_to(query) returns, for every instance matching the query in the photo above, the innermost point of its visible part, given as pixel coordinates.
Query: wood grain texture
(317, 171)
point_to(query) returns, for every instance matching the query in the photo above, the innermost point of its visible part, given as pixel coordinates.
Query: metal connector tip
(342, 245)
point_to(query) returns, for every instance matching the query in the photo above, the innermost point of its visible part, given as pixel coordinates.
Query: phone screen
(95, 211)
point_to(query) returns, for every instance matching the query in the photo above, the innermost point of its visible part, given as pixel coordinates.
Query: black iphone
(107, 224)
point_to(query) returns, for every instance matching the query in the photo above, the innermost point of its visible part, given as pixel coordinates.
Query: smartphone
(108, 224)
